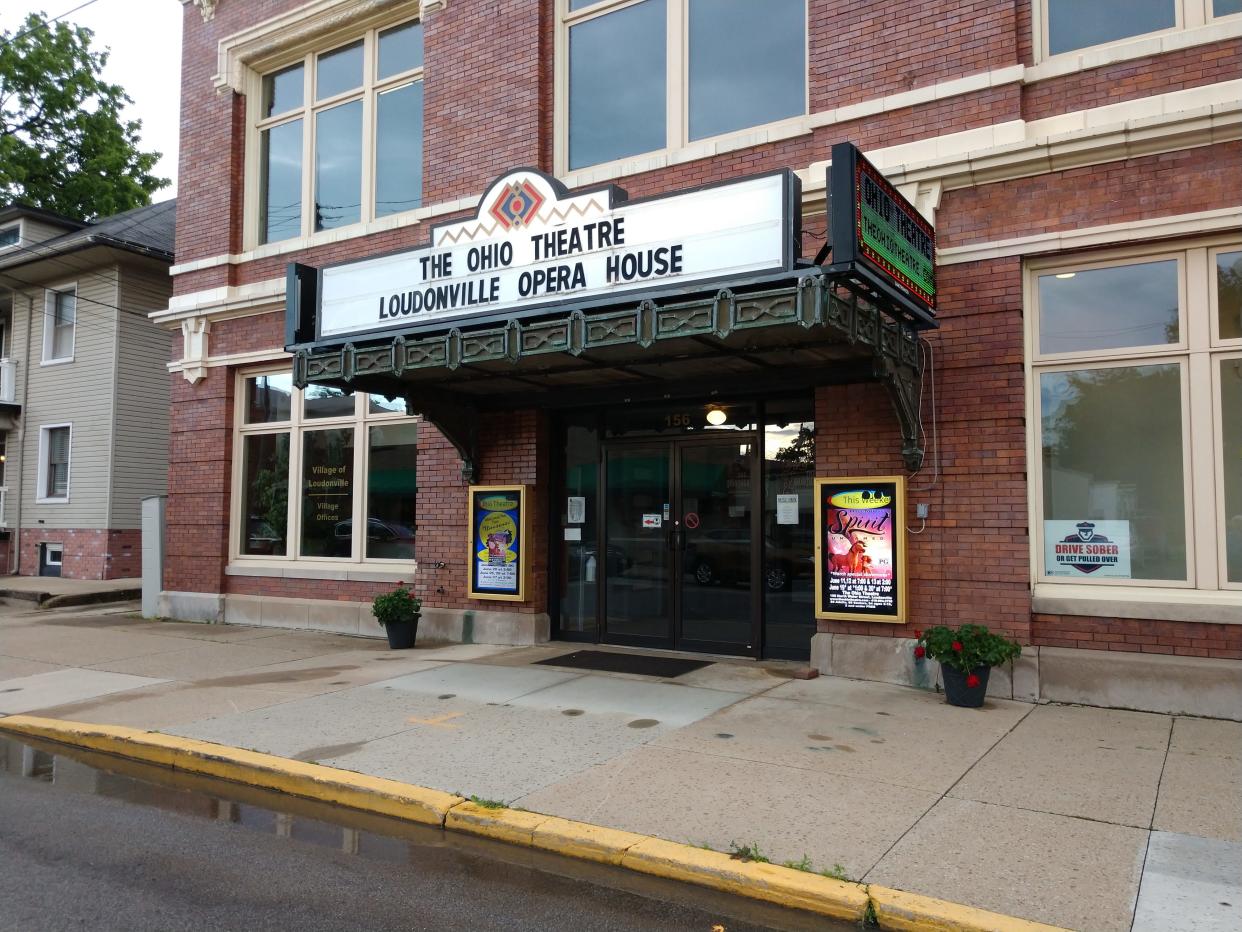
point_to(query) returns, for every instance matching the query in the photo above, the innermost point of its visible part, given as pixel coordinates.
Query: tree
(64, 146)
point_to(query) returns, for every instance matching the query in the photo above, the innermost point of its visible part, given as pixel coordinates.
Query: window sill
(56, 362)
(1220, 607)
(353, 572)
(52, 501)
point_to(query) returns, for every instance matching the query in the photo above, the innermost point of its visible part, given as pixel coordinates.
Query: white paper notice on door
(653, 521)
(787, 509)
(575, 509)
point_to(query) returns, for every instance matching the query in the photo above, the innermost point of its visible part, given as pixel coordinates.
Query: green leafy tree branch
(64, 145)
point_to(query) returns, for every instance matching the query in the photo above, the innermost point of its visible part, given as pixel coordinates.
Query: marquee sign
(881, 233)
(533, 244)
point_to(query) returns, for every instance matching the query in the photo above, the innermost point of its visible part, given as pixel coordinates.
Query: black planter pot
(401, 634)
(956, 692)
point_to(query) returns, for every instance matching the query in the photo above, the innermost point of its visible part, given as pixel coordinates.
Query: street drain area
(420, 850)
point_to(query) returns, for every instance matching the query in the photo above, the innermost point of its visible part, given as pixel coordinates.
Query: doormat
(610, 662)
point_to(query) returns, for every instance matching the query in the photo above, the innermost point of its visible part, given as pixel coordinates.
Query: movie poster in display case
(498, 559)
(860, 548)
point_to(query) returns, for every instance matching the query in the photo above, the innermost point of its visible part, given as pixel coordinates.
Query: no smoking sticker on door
(692, 520)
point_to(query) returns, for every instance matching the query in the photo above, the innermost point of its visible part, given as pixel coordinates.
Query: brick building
(1082, 374)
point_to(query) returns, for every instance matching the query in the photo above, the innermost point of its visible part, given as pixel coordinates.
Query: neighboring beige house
(83, 388)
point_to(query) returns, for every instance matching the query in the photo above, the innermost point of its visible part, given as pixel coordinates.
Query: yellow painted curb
(512, 825)
(313, 781)
(781, 885)
(911, 912)
(583, 840)
(894, 909)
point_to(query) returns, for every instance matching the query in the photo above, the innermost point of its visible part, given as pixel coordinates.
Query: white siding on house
(79, 392)
(140, 457)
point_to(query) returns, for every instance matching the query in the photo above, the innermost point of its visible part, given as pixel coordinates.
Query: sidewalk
(53, 591)
(1085, 818)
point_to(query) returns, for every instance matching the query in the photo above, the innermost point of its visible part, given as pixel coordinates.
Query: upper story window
(645, 75)
(340, 135)
(1070, 25)
(1137, 383)
(10, 235)
(59, 320)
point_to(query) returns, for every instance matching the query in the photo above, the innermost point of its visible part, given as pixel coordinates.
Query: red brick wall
(970, 561)
(199, 478)
(1129, 80)
(1185, 639)
(1203, 178)
(89, 553)
(860, 51)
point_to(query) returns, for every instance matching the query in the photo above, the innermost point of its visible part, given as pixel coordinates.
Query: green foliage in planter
(968, 647)
(396, 606)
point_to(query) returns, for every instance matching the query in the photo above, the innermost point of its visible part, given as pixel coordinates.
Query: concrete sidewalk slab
(1190, 884)
(1204, 762)
(42, 690)
(636, 700)
(79, 646)
(166, 706)
(498, 752)
(292, 728)
(477, 683)
(1050, 868)
(1095, 763)
(693, 798)
(320, 674)
(929, 752)
(13, 667)
(204, 660)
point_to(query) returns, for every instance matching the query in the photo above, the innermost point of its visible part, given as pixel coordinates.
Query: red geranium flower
(972, 681)
(920, 651)
(918, 634)
(957, 646)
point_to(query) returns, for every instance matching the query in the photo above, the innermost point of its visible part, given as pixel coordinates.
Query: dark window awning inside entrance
(793, 330)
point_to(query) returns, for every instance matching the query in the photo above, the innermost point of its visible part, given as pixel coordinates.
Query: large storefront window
(300, 461)
(730, 64)
(1139, 414)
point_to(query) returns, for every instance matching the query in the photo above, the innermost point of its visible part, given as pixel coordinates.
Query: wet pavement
(89, 841)
(1064, 815)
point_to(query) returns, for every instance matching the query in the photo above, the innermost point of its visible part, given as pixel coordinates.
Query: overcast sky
(145, 39)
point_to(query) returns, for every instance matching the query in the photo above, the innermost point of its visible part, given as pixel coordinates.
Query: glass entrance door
(637, 564)
(716, 506)
(678, 564)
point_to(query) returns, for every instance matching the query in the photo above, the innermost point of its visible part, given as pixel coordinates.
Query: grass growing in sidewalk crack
(488, 803)
(837, 872)
(749, 852)
(802, 865)
(870, 920)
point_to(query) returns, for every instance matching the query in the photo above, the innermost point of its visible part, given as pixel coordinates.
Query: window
(340, 135)
(10, 235)
(1137, 385)
(1071, 24)
(301, 454)
(54, 448)
(744, 65)
(59, 318)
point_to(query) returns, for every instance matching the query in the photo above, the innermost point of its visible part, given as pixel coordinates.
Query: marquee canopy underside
(794, 331)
